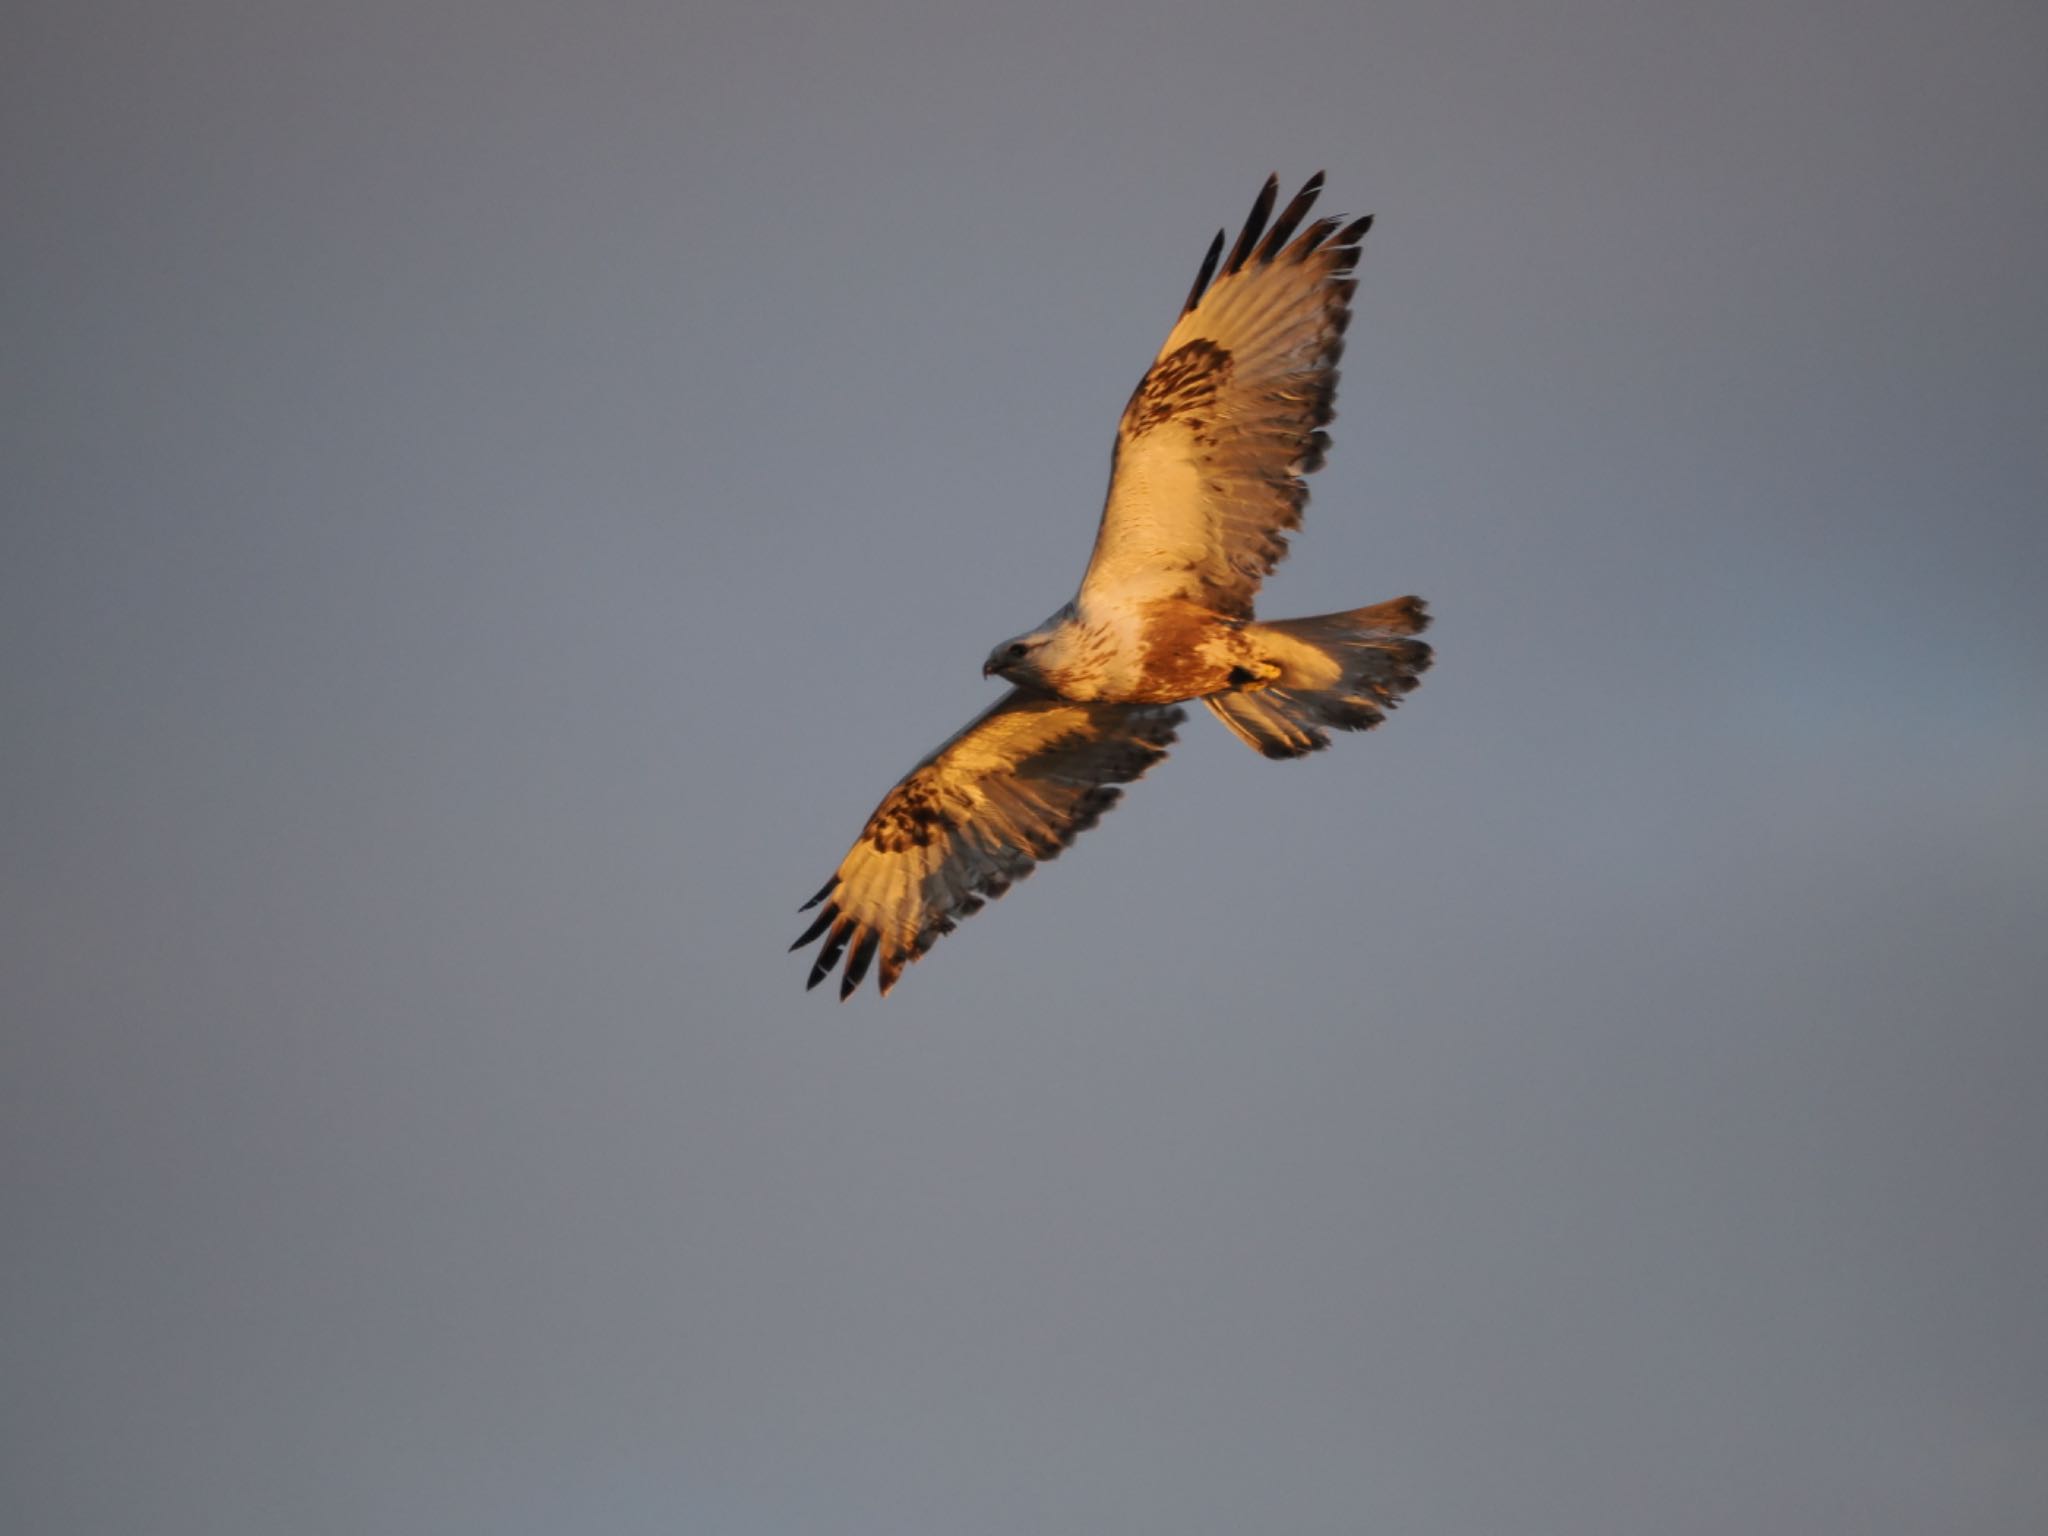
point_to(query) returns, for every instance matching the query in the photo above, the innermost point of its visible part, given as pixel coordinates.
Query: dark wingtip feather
(858, 962)
(823, 891)
(1208, 271)
(835, 946)
(824, 921)
(1284, 226)
(1254, 225)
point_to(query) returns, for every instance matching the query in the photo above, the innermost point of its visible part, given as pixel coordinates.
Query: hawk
(1205, 482)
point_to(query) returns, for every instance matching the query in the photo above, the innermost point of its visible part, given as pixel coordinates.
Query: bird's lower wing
(1016, 786)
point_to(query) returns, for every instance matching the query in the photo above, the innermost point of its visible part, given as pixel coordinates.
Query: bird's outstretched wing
(1015, 786)
(1216, 438)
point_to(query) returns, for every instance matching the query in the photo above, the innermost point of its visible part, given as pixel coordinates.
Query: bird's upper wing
(1216, 438)
(1015, 786)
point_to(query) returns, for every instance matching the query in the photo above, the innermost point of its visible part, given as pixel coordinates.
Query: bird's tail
(1337, 671)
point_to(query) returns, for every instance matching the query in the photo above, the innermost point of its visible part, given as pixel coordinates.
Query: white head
(1016, 659)
(1031, 659)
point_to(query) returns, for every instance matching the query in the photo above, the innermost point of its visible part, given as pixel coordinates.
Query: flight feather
(1010, 790)
(1215, 440)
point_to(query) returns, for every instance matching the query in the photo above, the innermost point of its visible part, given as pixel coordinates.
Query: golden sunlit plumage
(1207, 483)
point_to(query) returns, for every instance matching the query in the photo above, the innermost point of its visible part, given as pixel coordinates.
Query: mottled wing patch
(913, 815)
(1181, 387)
(1011, 790)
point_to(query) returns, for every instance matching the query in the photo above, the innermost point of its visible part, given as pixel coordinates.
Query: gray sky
(494, 494)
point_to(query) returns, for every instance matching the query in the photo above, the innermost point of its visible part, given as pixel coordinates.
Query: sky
(490, 497)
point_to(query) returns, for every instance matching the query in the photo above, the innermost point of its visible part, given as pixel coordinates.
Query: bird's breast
(1154, 653)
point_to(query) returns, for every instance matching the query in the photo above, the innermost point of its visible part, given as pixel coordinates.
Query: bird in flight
(1205, 482)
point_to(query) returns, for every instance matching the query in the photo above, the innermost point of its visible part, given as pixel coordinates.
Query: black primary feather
(1254, 223)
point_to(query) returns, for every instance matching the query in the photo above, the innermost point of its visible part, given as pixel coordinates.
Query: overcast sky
(494, 493)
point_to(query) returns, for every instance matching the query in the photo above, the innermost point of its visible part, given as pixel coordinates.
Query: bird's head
(1039, 658)
(1014, 658)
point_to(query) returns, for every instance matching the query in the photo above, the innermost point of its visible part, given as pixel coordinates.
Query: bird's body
(1205, 485)
(1156, 652)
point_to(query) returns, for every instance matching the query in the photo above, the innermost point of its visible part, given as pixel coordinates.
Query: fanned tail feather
(1336, 671)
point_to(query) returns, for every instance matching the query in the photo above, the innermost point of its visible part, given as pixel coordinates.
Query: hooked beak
(988, 669)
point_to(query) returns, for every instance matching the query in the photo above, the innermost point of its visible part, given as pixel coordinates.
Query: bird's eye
(1016, 651)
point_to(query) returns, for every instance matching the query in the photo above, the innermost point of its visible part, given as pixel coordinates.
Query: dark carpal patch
(910, 818)
(1183, 384)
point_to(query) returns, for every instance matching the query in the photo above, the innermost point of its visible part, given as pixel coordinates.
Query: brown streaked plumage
(1013, 788)
(1182, 385)
(1205, 486)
